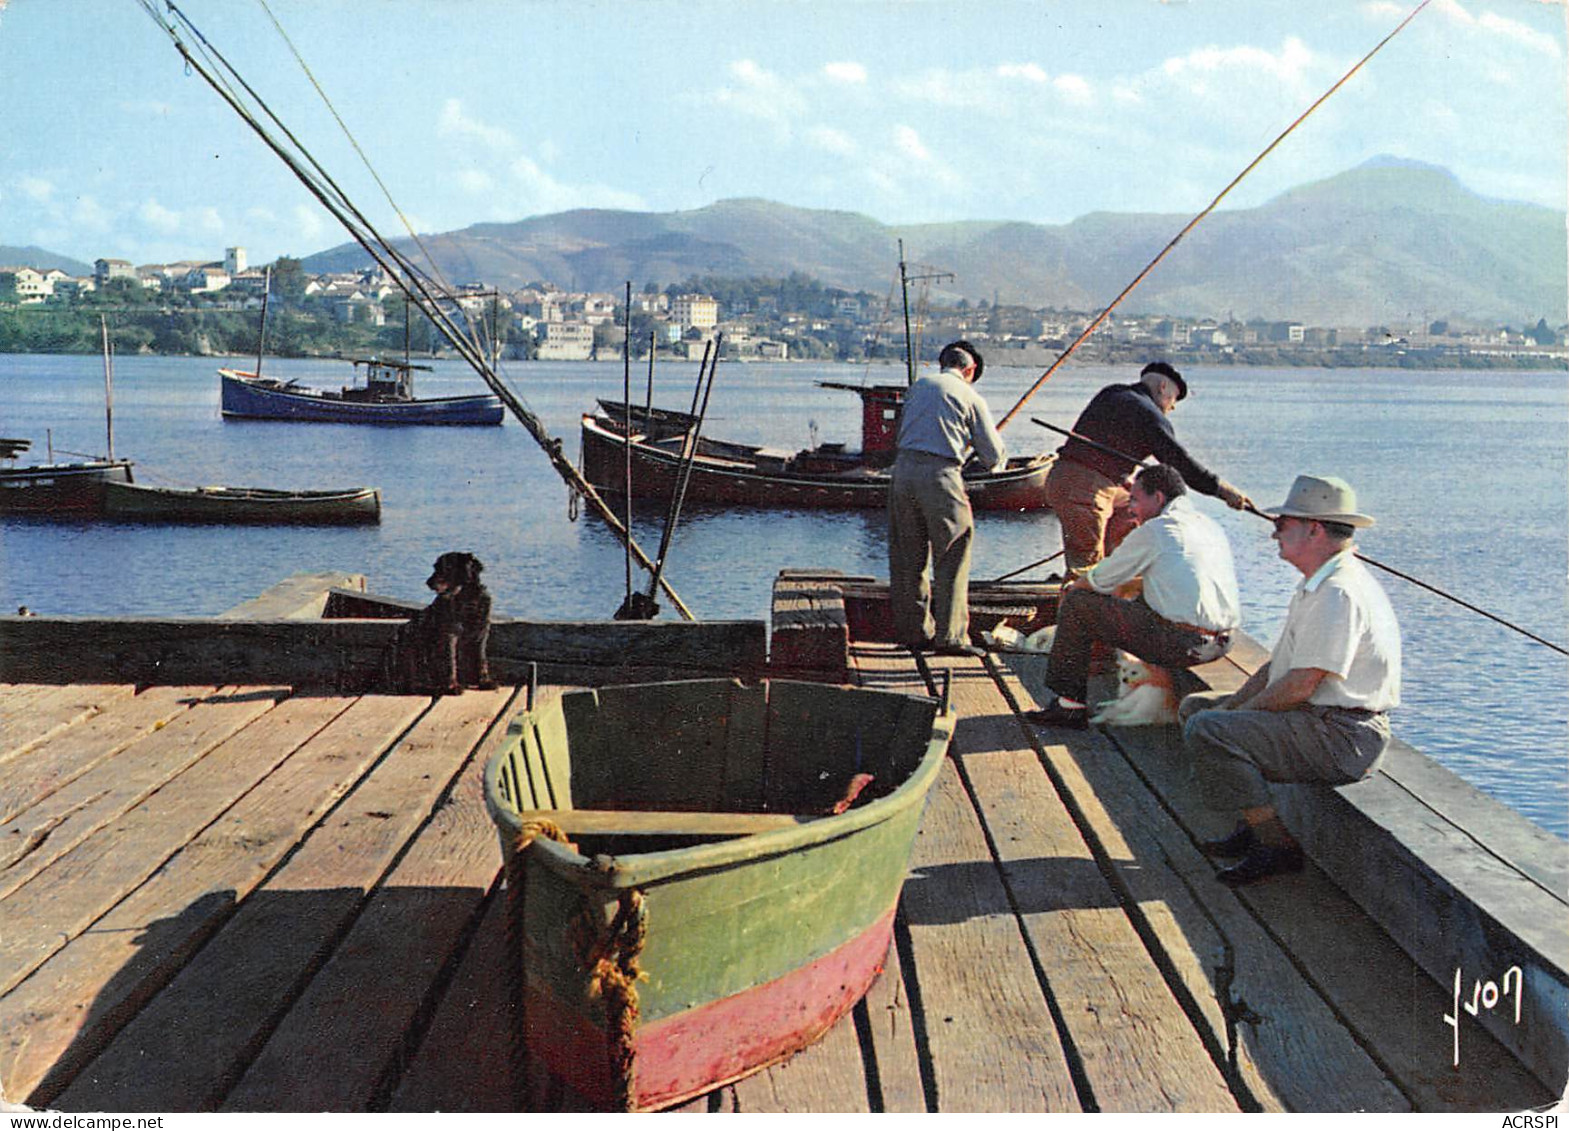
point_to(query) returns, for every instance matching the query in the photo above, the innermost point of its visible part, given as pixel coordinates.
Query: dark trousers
(1084, 617)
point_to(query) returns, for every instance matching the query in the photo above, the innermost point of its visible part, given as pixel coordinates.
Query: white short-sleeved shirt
(1185, 561)
(1341, 622)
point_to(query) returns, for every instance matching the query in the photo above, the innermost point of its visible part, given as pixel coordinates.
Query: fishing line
(1193, 223)
(407, 275)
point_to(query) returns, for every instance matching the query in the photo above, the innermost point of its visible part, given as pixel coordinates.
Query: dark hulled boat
(55, 488)
(385, 397)
(825, 477)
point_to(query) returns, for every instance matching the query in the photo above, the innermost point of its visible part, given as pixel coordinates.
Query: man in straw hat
(942, 422)
(1085, 485)
(1317, 712)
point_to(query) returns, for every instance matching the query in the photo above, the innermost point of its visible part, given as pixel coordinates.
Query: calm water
(1465, 472)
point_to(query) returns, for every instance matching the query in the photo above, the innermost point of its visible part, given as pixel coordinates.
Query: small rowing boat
(135, 502)
(703, 875)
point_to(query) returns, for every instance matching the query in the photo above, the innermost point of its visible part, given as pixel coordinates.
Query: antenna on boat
(261, 334)
(626, 437)
(406, 358)
(904, 289)
(103, 325)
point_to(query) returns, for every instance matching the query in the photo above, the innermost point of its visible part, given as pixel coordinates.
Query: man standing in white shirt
(1185, 614)
(1317, 712)
(942, 421)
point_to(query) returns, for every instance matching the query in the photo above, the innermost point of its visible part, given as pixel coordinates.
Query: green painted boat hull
(752, 944)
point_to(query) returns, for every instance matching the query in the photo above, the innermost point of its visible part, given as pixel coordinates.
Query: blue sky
(487, 110)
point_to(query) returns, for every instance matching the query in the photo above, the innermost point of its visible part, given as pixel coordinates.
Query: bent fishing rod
(407, 275)
(1193, 223)
(1251, 509)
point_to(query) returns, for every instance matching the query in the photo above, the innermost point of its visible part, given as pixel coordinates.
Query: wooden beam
(344, 653)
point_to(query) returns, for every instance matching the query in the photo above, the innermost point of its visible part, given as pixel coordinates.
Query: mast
(904, 292)
(103, 325)
(261, 332)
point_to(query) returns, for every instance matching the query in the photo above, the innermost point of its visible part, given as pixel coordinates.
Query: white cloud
(157, 217)
(1537, 41)
(1030, 72)
(455, 123)
(1287, 65)
(543, 193)
(909, 143)
(1074, 88)
(474, 182)
(207, 220)
(831, 140)
(845, 72)
(308, 223)
(759, 93)
(35, 188)
(88, 214)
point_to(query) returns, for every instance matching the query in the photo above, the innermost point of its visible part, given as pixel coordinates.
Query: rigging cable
(1193, 223)
(413, 281)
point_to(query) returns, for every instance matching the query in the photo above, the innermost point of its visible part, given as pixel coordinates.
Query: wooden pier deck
(251, 898)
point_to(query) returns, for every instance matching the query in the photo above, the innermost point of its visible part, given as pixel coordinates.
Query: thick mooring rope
(615, 973)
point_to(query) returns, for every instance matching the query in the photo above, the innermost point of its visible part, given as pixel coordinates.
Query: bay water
(1465, 471)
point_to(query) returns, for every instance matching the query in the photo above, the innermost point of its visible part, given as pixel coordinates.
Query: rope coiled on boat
(614, 973)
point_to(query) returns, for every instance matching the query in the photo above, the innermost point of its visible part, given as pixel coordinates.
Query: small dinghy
(703, 875)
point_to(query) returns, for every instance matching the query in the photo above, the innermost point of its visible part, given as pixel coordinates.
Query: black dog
(442, 648)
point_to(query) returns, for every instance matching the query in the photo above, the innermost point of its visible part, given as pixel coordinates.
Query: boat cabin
(386, 382)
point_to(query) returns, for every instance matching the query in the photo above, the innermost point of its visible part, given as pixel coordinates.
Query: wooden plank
(41, 715)
(993, 1043)
(339, 1046)
(1293, 1050)
(42, 834)
(66, 897)
(828, 1076)
(205, 1026)
(1138, 1048)
(304, 595)
(30, 777)
(69, 1008)
(150, 650)
(892, 1034)
(464, 1062)
(629, 822)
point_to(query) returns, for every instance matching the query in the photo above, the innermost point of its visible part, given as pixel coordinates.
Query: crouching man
(1318, 711)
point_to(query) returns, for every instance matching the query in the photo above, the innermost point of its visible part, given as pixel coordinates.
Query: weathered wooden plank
(893, 1040)
(62, 900)
(304, 595)
(465, 1061)
(1138, 1048)
(828, 1076)
(42, 834)
(69, 1008)
(205, 1026)
(993, 1043)
(41, 715)
(338, 1047)
(148, 650)
(32, 776)
(1293, 1051)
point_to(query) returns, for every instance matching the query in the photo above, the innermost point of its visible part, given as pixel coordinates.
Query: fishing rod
(1251, 509)
(407, 275)
(642, 606)
(1096, 444)
(1193, 223)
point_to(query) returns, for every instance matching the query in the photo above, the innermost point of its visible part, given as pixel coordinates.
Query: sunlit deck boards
(247, 898)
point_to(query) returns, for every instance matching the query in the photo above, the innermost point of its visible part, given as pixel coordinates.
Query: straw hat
(1322, 498)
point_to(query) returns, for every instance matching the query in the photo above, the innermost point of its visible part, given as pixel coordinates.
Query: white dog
(1145, 696)
(1007, 638)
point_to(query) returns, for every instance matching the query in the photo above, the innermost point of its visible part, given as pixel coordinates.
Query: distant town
(210, 308)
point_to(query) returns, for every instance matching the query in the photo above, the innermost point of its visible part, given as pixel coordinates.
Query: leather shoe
(1261, 862)
(969, 650)
(1054, 714)
(1241, 839)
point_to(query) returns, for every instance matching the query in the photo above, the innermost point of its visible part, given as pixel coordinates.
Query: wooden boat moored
(386, 397)
(135, 502)
(719, 894)
(68, 489)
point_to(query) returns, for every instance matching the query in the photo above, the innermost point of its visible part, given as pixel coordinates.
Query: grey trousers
(929, 522)
(1235, 754)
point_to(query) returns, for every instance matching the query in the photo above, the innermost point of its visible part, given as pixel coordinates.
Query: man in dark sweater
(1086, 483)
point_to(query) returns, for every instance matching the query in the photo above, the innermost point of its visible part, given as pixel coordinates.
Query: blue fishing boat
(386, 396)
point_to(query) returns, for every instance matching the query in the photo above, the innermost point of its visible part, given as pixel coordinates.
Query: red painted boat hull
(691, 1053)
(745, 482)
